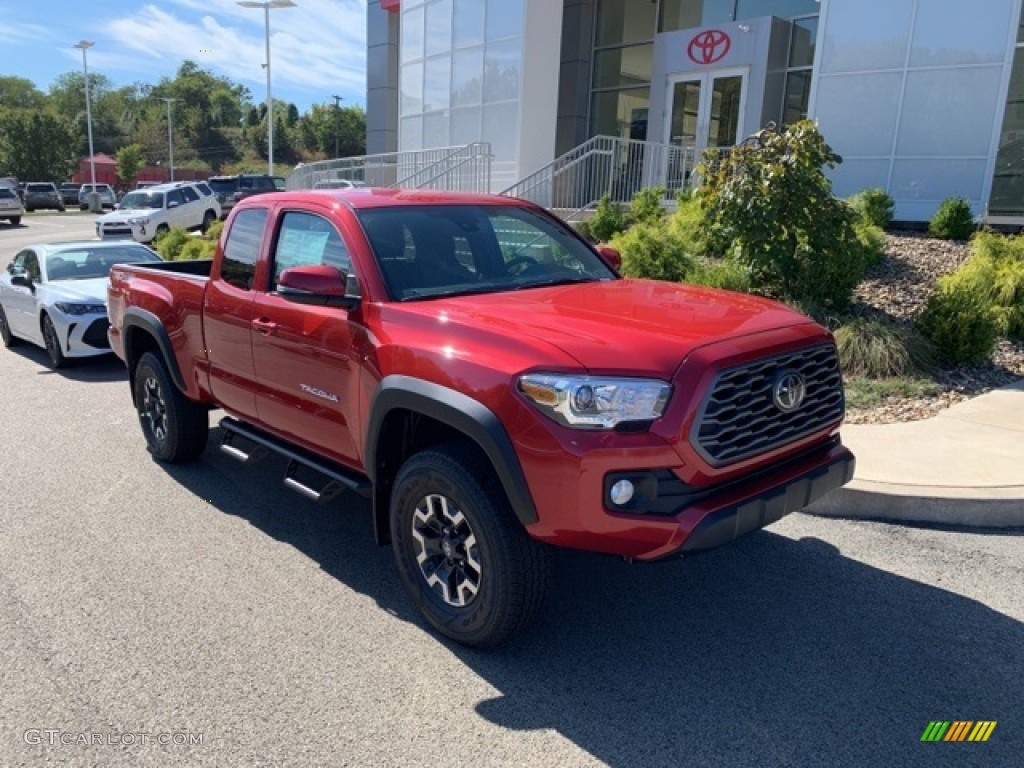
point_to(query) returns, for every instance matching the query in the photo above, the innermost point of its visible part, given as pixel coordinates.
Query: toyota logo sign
(709, 46)
(789, 391)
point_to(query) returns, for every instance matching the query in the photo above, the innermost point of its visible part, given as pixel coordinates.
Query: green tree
(129, 162)
(317, 129)
(19, 93)
(36, 145)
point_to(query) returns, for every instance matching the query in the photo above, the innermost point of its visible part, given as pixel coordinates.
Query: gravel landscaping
(897, 287)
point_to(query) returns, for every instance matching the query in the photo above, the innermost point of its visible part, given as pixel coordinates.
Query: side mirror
(610, 256)
(322, 285)
(23, 280)
(173, 204)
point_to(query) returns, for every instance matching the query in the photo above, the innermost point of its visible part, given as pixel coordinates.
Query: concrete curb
(975, 507)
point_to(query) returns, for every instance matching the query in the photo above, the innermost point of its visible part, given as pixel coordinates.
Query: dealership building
(924, 98)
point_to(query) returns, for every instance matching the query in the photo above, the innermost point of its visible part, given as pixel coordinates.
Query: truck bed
(197, 268)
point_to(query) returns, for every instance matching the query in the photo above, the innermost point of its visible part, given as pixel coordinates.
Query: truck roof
(383, 197)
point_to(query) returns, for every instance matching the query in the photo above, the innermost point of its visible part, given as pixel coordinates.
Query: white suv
(146, 213)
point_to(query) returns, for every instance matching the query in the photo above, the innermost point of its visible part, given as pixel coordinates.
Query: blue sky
(318, 48)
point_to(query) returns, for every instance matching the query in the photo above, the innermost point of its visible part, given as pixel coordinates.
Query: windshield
(433, 251)
(85, 263)
(136, 200)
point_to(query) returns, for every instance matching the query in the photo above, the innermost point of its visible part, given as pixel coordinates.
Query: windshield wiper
(559, 281)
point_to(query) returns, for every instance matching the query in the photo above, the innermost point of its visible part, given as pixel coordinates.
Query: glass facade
(461, 67)
(1007, 198)
(624, 51)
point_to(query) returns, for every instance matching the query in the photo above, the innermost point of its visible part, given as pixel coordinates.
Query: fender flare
(151, 324)
(460, 412)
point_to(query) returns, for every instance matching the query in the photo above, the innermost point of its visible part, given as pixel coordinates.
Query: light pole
(266, 6)
(337, 124)
(170, 133)
(93, 196)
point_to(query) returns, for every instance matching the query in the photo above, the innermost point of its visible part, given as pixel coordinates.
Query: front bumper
(82, 335)
(125, 230)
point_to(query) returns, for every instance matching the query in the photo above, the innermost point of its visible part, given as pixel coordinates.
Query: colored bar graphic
(959, 730)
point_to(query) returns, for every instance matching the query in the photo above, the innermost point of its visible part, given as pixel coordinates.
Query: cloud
(319, 46)
(23, 32)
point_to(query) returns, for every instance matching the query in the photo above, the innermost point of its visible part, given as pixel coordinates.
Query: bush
(608, 221)
(197, 248)
(874, 206)
(169, 244)
(878, 349)
(997, 267)
(647, 207)
(770, 204)
(653, 252)
(726, 274)
(213, 233)
(960, 320)
(872, 240)
(953, 220)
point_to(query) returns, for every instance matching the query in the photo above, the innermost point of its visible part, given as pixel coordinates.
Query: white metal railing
(607, 165)
(457, 169)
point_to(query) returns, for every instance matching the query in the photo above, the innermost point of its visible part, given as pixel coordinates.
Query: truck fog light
(621, 493)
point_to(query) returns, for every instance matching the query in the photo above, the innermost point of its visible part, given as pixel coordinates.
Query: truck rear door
(305, 367)
(228, 315)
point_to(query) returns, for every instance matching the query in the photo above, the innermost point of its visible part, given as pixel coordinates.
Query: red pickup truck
(488, 380)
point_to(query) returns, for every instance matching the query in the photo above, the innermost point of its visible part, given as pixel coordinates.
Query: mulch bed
(898, 287)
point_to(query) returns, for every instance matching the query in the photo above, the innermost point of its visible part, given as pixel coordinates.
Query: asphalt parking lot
(208, 599)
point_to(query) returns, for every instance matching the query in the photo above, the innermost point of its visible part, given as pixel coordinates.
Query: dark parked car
(41, 195)
(69, 193)
(231, 189)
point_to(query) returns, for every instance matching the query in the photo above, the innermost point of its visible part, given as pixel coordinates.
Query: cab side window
(190, 194)
(306, 240)
(32, 266)
(17, 265)
(174, 196)
(242, 248)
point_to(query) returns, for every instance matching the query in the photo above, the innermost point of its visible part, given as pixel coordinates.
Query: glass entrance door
(706, 110)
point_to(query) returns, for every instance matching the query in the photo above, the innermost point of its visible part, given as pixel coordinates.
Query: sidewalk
(962, 467)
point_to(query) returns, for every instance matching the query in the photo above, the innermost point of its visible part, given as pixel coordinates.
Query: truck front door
(305, 370)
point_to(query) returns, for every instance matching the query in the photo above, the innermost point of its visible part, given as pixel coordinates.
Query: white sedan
(55, 296)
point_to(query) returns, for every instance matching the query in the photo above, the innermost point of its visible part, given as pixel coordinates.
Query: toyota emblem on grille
(789, 391)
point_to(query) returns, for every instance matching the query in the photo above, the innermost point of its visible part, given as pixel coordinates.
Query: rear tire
(52, 343)
(473, 571)
(208, 218)
(176, 429)
(9, 339)
(15, 221)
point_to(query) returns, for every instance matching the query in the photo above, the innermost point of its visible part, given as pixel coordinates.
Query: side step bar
(314, 477)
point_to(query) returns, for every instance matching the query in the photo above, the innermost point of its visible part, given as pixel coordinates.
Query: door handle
(266, 327)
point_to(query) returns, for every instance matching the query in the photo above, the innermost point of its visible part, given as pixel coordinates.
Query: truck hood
(641, 326)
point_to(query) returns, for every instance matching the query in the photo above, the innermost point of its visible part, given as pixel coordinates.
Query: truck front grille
(740, 418)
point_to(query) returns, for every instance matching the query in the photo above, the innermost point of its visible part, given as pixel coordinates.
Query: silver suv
(106, 192)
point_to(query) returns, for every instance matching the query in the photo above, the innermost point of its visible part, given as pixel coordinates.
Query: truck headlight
(590, 402)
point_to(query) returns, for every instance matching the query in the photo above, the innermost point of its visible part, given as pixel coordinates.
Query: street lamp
(337, 124)
(93, 197)
(170, 133)
(266, 6)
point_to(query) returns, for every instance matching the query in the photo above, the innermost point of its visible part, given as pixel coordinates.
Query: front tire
(15, 221)
(473, 571)
(9, 339)
(52, 342)
(176, 429)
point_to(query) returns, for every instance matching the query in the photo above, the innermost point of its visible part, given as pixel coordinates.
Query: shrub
(726, 274)
(953, 220)
(653, 252)
(878, 349)
(647, 207)
(608, 221)
(197, 248)
(997, 267)
(770, 204)
(584, 230)
(960, 319)
(213, 233)
(872, 241)
(169, 244)
(874, 206)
